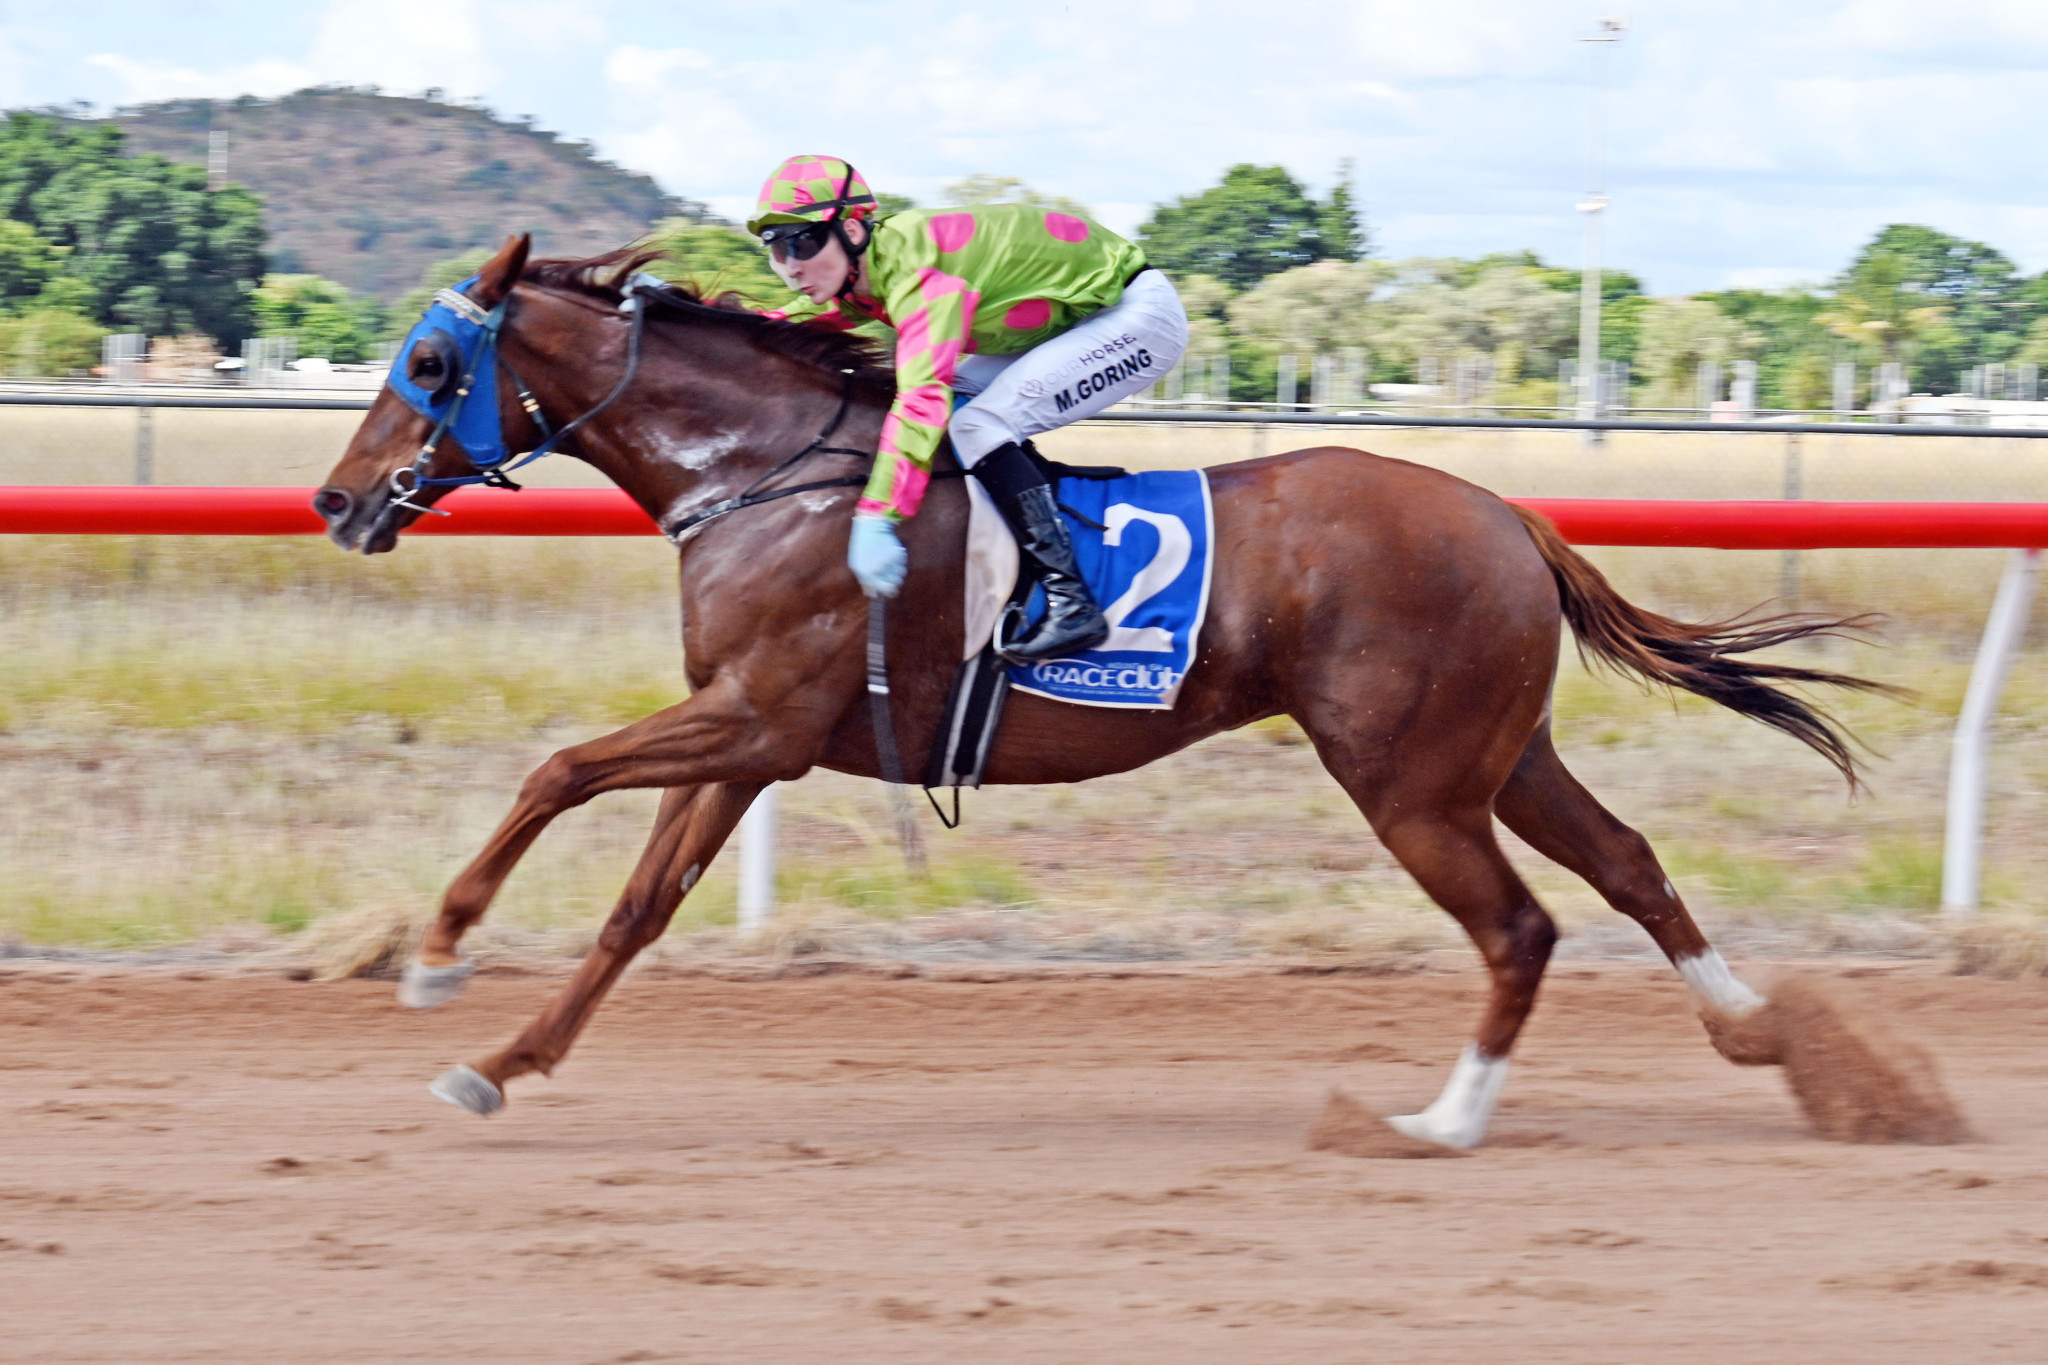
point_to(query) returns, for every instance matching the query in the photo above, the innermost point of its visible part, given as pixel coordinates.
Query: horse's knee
(553, 784)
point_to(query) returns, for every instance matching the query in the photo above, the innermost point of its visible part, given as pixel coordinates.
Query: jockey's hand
(876, 556)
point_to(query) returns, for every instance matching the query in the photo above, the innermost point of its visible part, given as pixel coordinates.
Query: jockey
(1040, 317)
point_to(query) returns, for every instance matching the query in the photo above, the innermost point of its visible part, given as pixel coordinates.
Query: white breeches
(1099, 361)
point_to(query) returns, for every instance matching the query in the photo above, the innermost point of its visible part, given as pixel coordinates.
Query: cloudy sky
(1750, 142)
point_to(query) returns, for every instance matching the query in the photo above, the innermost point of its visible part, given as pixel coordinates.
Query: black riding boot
(1021, 492)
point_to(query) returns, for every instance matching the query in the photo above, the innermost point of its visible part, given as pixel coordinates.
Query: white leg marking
(465, 1089)
(422, 987)
(1716, 986)
(1460, 1115)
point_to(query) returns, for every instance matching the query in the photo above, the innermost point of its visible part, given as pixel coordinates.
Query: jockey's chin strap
(853, 256)
(412, 478)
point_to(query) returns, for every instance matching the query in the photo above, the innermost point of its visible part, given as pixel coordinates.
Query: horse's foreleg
(693, 825)
(714, 736)
(1544, 804)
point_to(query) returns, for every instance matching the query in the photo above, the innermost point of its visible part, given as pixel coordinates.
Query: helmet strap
(853, 254)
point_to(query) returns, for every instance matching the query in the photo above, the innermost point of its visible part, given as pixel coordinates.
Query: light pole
(1594, 204)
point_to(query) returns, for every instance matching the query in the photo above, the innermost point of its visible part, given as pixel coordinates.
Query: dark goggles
(796, 241)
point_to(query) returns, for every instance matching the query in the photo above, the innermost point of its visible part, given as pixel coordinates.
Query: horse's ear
(501, 272)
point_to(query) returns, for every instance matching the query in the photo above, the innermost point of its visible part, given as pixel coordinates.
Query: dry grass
(2002, 945)
(259, 736)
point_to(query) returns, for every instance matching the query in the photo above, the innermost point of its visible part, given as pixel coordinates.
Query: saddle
(1162, 578)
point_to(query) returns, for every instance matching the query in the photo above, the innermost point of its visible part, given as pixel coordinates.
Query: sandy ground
(855, 1168)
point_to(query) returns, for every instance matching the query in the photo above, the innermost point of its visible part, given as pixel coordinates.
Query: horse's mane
(601, 277)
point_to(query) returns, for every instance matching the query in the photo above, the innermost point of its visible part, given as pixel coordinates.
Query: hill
(369, 189)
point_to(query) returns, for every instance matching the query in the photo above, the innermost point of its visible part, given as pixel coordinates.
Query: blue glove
(876, 556)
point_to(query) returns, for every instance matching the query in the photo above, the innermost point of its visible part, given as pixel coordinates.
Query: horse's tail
(1699, 657)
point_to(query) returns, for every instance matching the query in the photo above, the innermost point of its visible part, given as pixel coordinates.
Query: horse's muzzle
(357, 523)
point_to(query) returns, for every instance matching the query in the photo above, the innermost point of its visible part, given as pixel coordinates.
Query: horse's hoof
(422, 987)
(462, 1087)
(1425, 1127)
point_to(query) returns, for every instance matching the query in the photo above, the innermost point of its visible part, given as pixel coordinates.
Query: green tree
(1401, 313)
(1318, 308)
(1623, 305)
(50, 341)
(1936, 302)
(159, 251)
(27, 263)
(327, 319)
(1207, 301)
(1345, 234)
(440, 275)
(1978, 284)
(1259, 221)
(1786, 331)
(1498, 306)
(717, 260)
(2034, 346)
(1889, 317)
(1676, 336)
(1007, 189)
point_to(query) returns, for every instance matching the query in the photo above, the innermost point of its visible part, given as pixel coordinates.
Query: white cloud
(552, 23)
(1121, 215)
(404, 45)
(146, 79)
(680, 126)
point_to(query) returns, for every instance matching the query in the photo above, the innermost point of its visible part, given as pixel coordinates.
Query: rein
(907, 838)
(752, 496)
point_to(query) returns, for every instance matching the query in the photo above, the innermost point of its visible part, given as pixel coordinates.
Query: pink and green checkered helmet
(811, 189)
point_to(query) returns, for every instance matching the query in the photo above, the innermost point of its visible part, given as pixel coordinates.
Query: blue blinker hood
(465, 405)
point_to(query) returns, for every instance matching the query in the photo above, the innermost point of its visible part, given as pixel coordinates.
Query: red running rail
(124, 511)
(128, 511)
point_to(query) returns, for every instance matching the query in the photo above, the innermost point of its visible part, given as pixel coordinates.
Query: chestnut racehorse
(1409, 621)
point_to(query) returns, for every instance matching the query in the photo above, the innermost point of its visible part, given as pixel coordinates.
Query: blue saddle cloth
(1143, 544)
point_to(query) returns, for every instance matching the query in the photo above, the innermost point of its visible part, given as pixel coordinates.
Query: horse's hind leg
(1446, 842)
(1544, 804)
(692, 826)
(1452, 854)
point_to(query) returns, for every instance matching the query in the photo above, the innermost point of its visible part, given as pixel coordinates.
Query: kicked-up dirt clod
(1350, 1129)
(1854, 1079)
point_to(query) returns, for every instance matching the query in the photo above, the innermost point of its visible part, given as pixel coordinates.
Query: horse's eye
(432, 365)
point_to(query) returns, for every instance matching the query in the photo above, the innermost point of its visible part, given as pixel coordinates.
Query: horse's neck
(688, 435)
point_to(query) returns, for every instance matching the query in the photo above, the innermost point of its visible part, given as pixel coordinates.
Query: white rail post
(1962, 861)
(757, 860)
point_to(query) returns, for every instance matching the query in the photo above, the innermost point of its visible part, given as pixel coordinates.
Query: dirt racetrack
(852, 1168)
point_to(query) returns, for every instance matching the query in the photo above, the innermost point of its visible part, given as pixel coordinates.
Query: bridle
(639, 292)
(411, 479)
